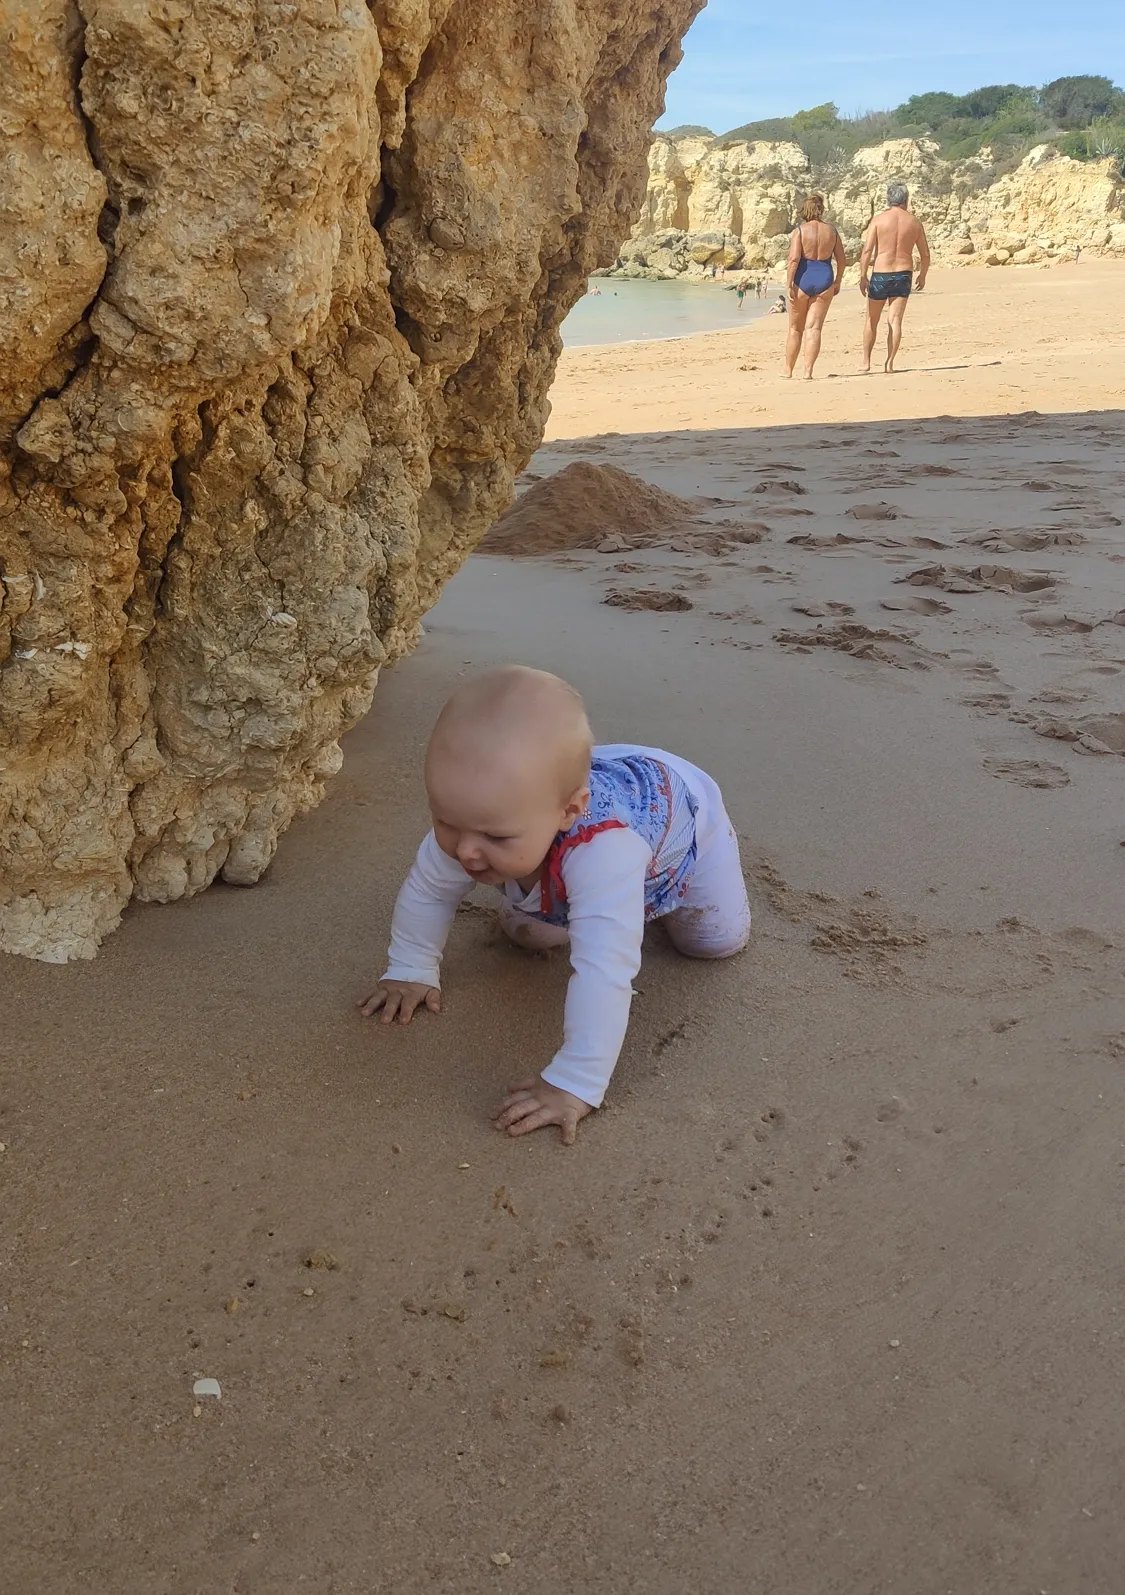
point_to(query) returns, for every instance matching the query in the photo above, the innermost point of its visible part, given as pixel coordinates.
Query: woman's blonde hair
(813, 208)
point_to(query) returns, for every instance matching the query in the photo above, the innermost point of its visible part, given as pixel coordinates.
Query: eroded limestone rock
(752, 193)
(280, 289)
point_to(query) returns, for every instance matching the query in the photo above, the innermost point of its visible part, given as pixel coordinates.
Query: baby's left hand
(533, 1104)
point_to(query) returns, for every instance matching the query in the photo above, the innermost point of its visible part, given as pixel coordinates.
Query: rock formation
(280, 289)
(714, 204)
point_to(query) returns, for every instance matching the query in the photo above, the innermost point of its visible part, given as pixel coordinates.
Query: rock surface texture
(712, 204)
(280, 290)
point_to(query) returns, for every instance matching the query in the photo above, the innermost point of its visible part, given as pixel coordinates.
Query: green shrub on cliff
(1083, 116)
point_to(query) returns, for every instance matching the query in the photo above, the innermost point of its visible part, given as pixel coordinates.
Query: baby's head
(507, 768)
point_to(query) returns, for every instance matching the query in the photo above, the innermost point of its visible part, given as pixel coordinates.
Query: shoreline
(1059, 338)
(676, 337)
(641, 311)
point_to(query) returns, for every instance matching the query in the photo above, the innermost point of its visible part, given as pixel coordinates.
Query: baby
(586, 844)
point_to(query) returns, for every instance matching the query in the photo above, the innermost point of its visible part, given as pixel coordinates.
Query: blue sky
(742, 62)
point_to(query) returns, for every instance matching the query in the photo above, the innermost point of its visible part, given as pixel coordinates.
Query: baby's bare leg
(535, 935)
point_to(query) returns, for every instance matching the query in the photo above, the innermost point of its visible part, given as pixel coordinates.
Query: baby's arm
(420, 925)
(605, 886)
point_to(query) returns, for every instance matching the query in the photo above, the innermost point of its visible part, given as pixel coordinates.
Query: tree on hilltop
(926, 110)
(1076, 102)
(981, 105)
(820, 117)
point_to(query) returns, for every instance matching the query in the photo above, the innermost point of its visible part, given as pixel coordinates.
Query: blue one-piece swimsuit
(812, 277)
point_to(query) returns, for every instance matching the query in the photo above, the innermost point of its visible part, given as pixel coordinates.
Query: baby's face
(496, 827)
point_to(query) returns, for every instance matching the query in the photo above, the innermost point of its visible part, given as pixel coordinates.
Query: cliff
(713, 204)
(280, 290)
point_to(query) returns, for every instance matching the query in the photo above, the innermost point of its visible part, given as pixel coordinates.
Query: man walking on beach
(890, 242)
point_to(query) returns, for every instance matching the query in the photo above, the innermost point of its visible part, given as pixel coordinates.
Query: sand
(977, 342)
(584, 506)
(828, 1298)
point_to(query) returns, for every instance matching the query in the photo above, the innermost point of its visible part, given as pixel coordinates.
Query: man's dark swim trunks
(889, 285)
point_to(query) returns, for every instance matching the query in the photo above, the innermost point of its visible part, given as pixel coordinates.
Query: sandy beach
(977, 342)
(827, 1300)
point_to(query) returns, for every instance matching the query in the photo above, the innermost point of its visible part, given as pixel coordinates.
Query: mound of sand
(580, 507)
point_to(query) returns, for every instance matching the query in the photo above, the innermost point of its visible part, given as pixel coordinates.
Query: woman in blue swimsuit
(813, 283)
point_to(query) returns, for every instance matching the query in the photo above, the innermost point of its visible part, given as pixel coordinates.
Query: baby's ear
(576, 803)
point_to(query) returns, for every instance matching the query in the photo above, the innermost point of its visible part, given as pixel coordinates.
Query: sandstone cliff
(711, 204)
(280, 289)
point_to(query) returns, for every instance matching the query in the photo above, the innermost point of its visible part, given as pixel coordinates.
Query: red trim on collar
(552, 887)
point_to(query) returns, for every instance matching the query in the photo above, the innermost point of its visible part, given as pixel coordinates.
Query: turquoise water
(625, 312)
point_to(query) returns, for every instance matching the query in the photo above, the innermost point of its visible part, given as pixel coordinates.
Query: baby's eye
(497, 839)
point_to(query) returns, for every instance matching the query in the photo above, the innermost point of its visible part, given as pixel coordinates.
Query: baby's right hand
(398, 1000)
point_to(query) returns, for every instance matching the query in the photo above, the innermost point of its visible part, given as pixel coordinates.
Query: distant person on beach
(740, 293)
(779, 306)
(585, 845)
(889, 243)
(812, 282)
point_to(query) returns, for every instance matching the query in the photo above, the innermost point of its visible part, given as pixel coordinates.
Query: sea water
(627, 311)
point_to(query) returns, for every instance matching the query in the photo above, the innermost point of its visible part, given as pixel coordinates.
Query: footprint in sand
(835, 540)
(874, 512)
(980, 578)
(1091, 522)
(1023, 542)
(640, 598)
(862, 642)
(819, 611)
(988, 702)
(1058, 620)
(917, 606)
(1092, 733)
(1060, 695)
(1028, 772)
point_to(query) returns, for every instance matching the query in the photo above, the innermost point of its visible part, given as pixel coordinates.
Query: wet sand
(827, 1299)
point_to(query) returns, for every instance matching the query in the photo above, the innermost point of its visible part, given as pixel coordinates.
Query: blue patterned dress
(634, 793)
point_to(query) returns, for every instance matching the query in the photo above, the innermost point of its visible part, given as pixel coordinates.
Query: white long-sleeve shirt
(605, 889)
(605, 893)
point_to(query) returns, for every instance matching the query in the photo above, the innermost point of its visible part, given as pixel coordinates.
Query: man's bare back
(892, 238)
(886, 270)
